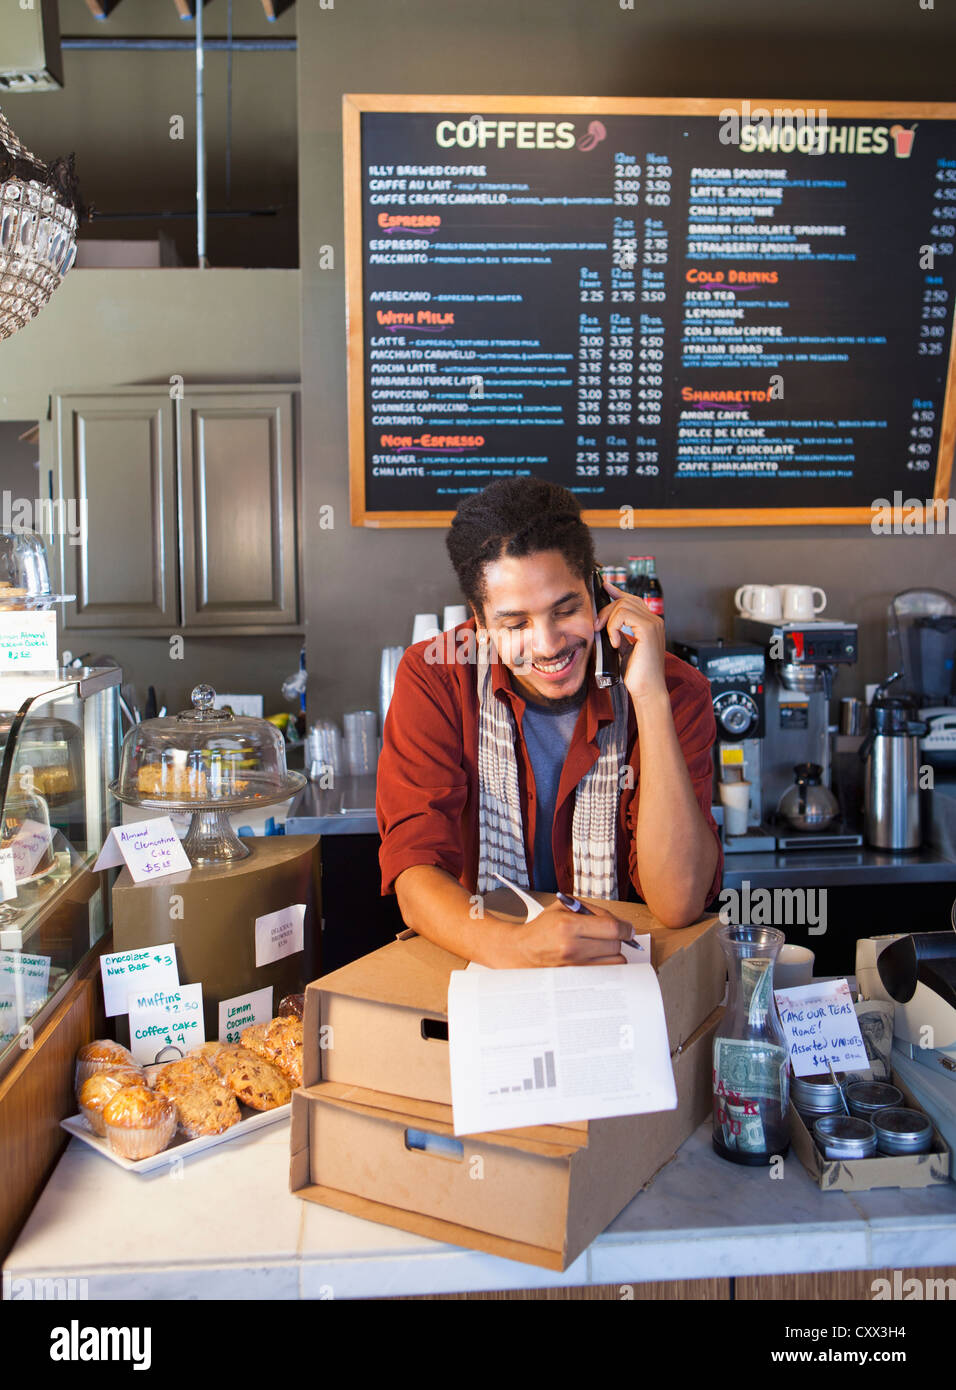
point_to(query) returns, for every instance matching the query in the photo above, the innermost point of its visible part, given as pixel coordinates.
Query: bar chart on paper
(519, 1069)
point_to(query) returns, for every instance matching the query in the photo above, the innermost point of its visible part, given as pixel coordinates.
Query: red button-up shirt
(427, 800)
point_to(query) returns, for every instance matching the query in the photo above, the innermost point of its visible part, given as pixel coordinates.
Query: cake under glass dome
(208, 761)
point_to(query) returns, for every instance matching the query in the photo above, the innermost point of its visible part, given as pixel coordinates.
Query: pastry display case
(211, 763)
(59, 749)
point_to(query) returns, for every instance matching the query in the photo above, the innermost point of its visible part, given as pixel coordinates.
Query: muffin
(138, 1122)
(100, 1088)
(102, 1055)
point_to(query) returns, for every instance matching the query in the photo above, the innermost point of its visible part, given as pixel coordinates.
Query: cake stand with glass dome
(245, 919)
(210, 763)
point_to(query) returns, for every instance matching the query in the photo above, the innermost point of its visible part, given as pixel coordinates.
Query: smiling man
(514, 761)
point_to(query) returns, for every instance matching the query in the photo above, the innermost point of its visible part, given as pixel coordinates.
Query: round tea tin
(844, 1136)
(902, 1131)
(864, 1097)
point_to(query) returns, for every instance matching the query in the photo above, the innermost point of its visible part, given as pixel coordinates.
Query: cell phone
(607, 659)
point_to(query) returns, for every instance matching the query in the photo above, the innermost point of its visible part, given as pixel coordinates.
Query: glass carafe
(751, 1063)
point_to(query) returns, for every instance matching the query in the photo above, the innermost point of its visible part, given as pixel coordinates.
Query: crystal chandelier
(40, 209)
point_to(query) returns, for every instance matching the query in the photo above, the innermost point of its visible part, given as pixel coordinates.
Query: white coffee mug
(735, 799)
(759, 601)
(798, 602)
(793, 966)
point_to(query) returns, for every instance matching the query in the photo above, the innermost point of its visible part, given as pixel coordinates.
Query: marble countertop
(224, 1225)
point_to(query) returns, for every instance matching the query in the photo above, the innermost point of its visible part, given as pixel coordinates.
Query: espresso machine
(803, 660)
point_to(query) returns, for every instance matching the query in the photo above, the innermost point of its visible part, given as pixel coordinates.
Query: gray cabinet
(117, 459)
(191, 507)
(238, 510)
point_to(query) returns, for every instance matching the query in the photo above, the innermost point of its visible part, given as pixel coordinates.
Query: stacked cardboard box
(377, 1080)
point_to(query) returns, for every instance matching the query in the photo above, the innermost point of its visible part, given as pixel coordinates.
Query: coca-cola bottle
(653, 594)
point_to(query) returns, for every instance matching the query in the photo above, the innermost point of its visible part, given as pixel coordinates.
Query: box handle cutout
(435, 1028)
(439, 1145)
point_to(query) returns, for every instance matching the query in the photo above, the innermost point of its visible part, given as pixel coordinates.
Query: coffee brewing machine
(737, 675)
(799, 807)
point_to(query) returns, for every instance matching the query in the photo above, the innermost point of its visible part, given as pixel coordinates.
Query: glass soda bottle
(636, 575)
(653, 594)
(751, 1062)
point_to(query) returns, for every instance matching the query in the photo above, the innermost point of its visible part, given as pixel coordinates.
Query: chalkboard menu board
(687, 312)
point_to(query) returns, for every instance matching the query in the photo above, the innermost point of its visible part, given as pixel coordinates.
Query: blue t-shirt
(547, 737)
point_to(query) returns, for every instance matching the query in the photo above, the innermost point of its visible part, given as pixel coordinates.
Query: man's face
(540, 617)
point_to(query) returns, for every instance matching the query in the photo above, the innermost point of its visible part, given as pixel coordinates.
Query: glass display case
(59, 751)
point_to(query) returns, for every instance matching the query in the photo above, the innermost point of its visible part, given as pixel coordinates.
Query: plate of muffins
(142, 1117)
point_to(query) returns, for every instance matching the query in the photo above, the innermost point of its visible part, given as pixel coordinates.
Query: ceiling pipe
(97, 45)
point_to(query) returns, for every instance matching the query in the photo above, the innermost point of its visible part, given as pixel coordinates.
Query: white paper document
(531, 1047)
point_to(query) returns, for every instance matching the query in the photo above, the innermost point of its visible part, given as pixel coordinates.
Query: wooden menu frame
(353, 105)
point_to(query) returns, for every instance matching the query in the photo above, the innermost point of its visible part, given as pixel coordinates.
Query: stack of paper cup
(391, 656)
(361, 741)
(426, 626)
(735, 799)
(323, 754)
(454, 614)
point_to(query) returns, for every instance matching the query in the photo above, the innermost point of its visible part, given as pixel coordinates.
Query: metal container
(866, 1097)
(891, 754)
(817, 1095)
(902, 1131)
(851, 715)
(844, 1136)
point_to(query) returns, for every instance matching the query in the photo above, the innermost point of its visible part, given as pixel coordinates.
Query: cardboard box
(882, 1170)
(539, 1195)
(381, 1022)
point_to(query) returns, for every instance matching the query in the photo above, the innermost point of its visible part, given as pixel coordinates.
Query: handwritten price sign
(143, 969)
(149, 848)
(159, 1021)
(242, 1010)
(821, 1026)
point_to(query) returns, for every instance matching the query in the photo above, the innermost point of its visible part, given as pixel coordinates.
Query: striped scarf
(500, 829)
